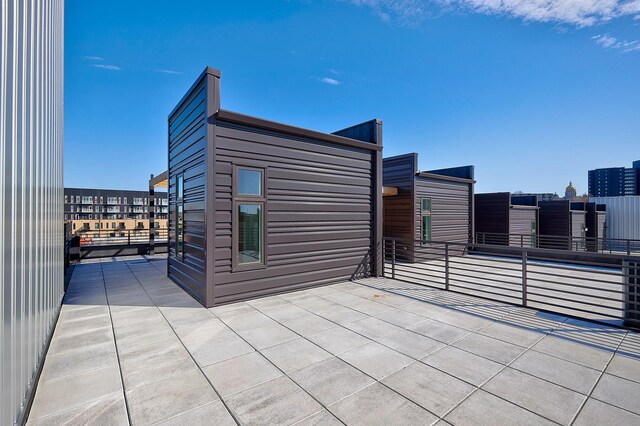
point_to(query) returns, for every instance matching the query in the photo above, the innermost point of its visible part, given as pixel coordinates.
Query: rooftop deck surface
(130, 347)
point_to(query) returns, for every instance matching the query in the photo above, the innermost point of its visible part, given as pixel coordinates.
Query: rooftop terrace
(132, 347)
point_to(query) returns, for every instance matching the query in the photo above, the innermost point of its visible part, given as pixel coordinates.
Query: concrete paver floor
(130, 347)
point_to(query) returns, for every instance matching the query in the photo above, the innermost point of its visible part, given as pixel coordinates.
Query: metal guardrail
(107, 237)
(598, 287)
(591, 244)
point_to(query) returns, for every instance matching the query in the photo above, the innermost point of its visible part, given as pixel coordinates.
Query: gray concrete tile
(277, 402)
(295, 354)
(267, 302)
(323, 418)
(368, 307)
(439, 331)
(484, 409)
(465, 320)
(511, 334)
(226, 311)
(432, 389)
(597, 413)
(564, 373)
(625, 366)
(377, 405)
(330, 380)
(573, 351)
(69, 392)
(185, 316)
(399, 317)
(166, 398)
(490, 348)
(212, 413)
(425, 309)
(411, 344)
(248, 321)
(286, 313)
(618, 392)
(341, 314)
(372, 328)
(110, 410)
(240, 373)
(140, 368)
(376, 360)
(268, 336)
(212, 342)
(308, 324)
(536, 395)
(466, 366)
(338, 339)
(73, 342)
(82, 359)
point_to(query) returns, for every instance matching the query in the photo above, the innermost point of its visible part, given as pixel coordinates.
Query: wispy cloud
(330, 81)
(581, 13)
(107, 67)
(94, 58)
(610, 42)
(169, 72)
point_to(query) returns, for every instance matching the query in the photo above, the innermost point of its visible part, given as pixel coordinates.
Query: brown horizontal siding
(319, 211)
(450, 209)
(187, 146)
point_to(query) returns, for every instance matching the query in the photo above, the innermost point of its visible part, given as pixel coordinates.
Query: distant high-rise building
(615, 181)
(570, 192)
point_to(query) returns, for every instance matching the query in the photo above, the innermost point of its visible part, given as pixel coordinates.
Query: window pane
(180, 230)
(249, 182)
(426, 204)
(249, 233)
(426, 228)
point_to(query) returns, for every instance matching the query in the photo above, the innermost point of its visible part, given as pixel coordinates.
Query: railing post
(446, 266)
(628, 247)
(521, 241)
(393, 258)
(129, 237)
(524, 278)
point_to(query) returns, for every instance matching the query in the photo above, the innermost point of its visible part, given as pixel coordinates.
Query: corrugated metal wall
(319, 210)
(31, 192)
(623, 216)
(520, 219)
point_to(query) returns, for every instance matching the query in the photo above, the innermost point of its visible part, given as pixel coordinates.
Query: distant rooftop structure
(570, 192)
(542, 196)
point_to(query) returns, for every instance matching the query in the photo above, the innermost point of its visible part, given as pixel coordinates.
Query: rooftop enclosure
(565, 219)
(505, 220)
(258, 207)
(430, 205)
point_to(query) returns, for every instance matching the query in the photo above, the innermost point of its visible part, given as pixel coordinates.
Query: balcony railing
(591, 244)
(106, 237)
(595, 286)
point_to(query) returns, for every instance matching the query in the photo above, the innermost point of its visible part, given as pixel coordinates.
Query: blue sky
(533, 93)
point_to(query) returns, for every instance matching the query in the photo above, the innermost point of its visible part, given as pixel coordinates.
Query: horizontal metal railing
(120, 236)
(594, 286)
(591, 244)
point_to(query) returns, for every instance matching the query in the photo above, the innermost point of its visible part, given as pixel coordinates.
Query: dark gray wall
(450, 209)
(492, 216)
(554, 221)
(187, 154)
(323, 199)
(320, 211)
(399, 172)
